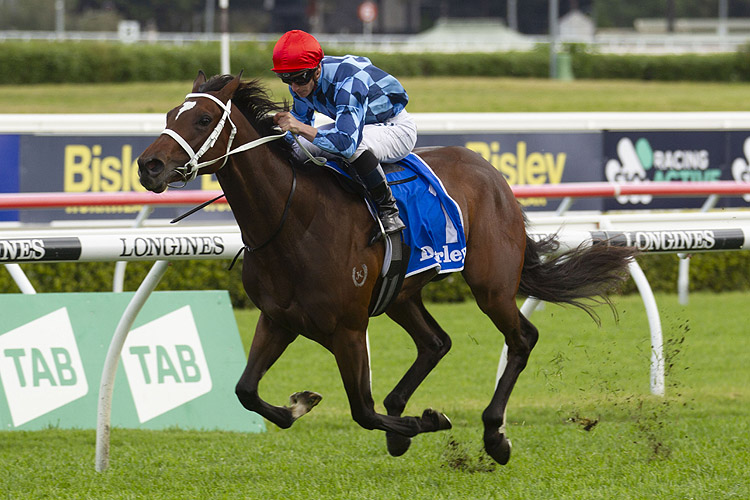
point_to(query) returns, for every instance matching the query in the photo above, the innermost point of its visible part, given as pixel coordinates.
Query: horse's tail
(587, 272)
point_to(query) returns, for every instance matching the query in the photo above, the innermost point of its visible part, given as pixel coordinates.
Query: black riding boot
(372, 174)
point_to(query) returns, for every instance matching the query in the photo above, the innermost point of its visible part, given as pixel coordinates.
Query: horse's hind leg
(520, 336)
(494, 263)
(494, 287)
(269, 343)
(432, 344)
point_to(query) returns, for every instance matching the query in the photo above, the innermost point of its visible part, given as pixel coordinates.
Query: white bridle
(189, 171)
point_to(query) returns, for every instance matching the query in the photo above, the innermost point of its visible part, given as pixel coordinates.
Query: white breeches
(389, 141)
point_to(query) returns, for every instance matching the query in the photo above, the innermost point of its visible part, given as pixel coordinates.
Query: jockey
(370, 124)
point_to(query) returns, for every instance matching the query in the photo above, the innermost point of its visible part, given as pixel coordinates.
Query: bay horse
(307, 245)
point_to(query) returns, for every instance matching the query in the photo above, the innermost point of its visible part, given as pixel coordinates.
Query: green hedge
(99, 62)
(505, 64)
(692, 67)
(708, 272)
(83, 62)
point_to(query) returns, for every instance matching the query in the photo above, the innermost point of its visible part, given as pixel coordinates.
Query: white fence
(680, 233)
(153, 124)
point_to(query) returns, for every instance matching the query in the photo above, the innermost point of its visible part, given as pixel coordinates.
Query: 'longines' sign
(170, 246)
(39, 249)
(113, 247)
(682, 240)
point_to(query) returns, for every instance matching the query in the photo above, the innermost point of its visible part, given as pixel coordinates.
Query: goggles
(298, 77)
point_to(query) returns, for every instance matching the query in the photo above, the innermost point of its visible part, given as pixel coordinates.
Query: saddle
(434, 235)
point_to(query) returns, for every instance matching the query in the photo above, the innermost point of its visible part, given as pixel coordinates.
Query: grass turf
(690, 444)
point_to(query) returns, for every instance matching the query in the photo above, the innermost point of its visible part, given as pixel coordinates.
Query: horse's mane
(253, 100)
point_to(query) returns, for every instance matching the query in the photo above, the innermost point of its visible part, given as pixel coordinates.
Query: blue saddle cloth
(434, 224)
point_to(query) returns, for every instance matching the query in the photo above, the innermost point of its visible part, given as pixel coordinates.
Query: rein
(247, 247)
(283, 216)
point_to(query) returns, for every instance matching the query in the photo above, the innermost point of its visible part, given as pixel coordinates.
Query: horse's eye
(204, 121)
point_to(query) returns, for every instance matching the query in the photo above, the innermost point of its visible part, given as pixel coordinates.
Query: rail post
(107, 384)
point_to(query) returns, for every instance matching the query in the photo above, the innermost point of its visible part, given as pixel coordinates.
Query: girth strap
(394, 269)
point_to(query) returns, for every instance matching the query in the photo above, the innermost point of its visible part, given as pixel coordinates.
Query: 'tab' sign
(165, 364)
(178, 366)
(41, 367)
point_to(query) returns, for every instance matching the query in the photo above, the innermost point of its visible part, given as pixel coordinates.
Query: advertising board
(179, 364)
(107, 163)
(94, 164)
(673, 156)
(9, 171)
(535, 158)
(739, 159)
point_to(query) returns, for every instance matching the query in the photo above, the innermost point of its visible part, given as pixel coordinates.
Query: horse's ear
(199, 80)
(230, 88)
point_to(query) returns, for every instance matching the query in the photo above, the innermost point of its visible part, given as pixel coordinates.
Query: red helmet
(295, 51)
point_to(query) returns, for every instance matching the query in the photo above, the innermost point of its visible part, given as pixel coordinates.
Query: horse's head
(194, 129)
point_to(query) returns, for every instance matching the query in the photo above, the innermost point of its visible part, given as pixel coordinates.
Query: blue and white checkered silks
(353, 92)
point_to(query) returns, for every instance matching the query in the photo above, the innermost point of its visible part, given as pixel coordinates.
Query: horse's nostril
(154, 166)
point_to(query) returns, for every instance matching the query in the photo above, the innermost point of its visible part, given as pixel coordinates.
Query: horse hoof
(435, 421)
(397, 444)
(302, 402)
(498, 447)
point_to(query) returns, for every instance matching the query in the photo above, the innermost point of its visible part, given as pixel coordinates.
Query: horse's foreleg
(520, 340)
(432, 344)
(350, 349)
(268, 344)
